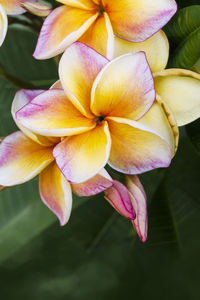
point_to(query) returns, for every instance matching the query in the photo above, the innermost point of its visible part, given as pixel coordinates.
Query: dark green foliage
(183, 32)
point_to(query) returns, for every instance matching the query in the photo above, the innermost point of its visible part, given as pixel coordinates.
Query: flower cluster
(114, 104)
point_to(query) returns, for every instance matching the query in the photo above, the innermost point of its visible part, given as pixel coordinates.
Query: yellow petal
(78, 68)
(124, 88)
(52, 114)
(81, 157)
(3, 24)
(137, 20)
(136, 148)
(21, 159)
(61, 28)
(56, 192)
(100, 36)
(162, 121)
(156, 49)
(83, 4)
(180, 89)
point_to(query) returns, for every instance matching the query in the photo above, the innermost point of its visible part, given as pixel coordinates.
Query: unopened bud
(37, 9)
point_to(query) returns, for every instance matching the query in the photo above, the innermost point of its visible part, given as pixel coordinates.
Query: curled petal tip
(99, 183)
(118, 197)
(138, 198)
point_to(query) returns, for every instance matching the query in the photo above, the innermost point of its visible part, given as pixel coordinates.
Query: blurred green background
(97, 255)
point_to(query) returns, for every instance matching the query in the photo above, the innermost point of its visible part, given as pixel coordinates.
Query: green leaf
(193, 131)
(162, 223)
(184, 3)
(17, 61)
(184, 32)
(7, 92)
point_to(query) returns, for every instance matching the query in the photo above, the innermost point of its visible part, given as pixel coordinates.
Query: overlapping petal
(3, 24)
(119, 198)
(78, 68)
(136, 148)
(162, 122)
(99, 183)
(180, 89)
(22, 97)
(100, 36)
(124, 88)
(21, 159)
(52, 114)
(61, 28)
(156, 49)
(139, 19)
(13, 7)
(56, 192)
(81, 157)
(138, 198)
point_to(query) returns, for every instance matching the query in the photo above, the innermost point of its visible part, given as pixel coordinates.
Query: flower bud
(37, 9)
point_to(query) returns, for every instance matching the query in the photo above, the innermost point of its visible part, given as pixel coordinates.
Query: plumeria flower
(129, 197)
(99, 116)
(24, 155)
(95, 22)
(177, 89)
(8, 7)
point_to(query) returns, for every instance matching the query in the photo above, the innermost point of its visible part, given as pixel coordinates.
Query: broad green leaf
(193, 131)
(162, 223)
(184, 3)
(7, 92)
(17, 61)
(184, 32)
(184, 22)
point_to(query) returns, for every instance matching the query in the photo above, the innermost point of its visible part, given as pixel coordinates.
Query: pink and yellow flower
(99, 116)
(24, 155)
(8, 7)
(96, 22)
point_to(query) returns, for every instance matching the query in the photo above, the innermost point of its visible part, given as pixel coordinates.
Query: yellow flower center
(99, 119)
(101, 10)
